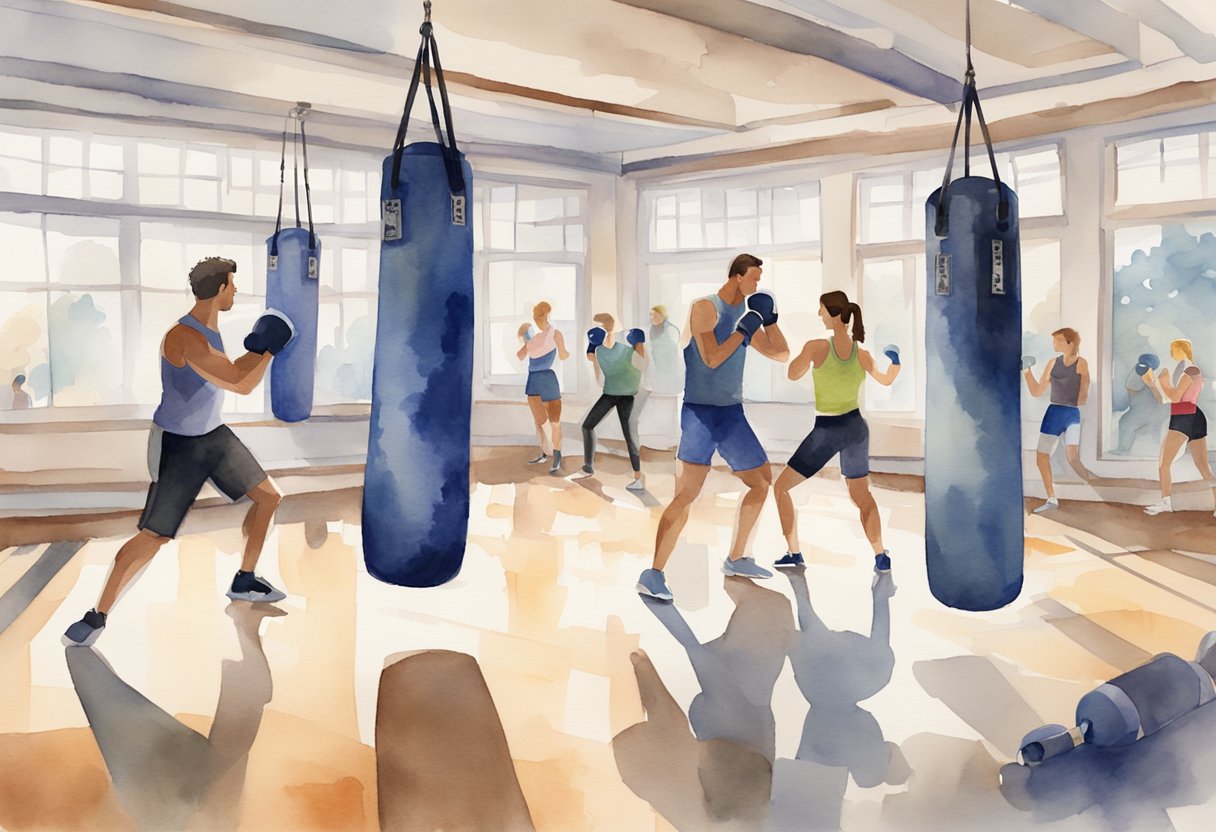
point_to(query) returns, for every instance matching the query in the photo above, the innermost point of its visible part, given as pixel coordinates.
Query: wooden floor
(805, 714)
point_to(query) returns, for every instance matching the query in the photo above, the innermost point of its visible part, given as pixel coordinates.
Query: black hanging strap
(970, 102)
(428, 57)
(299, 143)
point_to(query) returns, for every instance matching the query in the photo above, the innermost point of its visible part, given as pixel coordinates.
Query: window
(535, 252)
(88, 299)
(891, 288)
(778, 223)
(1164, 169)
(891, 206)
(1164, 288)
(724, 217)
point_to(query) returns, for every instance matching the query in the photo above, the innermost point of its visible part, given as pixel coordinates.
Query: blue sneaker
(744, 568)
(882, 563)
(247, 586)
(792, 560)
(85, 631)
(651, 582)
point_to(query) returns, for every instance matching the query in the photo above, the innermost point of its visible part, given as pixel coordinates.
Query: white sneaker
(636, 485)
(1050, 505)
(1160, 508)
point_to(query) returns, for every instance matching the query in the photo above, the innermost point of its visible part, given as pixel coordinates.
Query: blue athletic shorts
(705, 428)
(1058, 418)
(543, 383)
(847, 435)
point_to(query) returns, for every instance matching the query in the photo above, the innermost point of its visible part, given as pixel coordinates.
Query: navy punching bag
(973, 341)
(293, 270)
(416, 488)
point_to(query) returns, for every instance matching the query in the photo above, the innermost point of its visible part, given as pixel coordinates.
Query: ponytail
(839, 306)
(859, 330)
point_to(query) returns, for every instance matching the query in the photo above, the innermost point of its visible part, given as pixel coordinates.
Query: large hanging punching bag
(973, 440)
(293, 271)
(416, 488)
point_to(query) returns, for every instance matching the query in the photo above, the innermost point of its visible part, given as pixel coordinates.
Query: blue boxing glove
(635, 336)
(271, 333)
(765, 305)
(748, 325)
(892, 352)
(1028, 361)
(595, 338)
(1142, 368)
(525, 332)
(1149, 360)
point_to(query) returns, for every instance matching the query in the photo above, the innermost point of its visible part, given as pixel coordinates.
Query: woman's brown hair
(838, 305)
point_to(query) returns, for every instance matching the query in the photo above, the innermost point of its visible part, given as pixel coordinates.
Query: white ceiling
(600, 81)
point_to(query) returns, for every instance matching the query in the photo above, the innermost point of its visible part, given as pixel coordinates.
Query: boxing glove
(271, 333)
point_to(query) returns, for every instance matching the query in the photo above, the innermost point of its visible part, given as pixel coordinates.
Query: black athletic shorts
(1192, 425)
(186, 462)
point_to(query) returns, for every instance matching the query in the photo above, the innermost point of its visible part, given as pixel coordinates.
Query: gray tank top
(1065, 382)
(722, 385)
(189, 404)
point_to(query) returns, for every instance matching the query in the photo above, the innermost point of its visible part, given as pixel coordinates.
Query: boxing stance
(189, 443)
(838, 366)
(620, 366)
(1144, 413)
(1068, 376)
(722, 327)
(544, 394)
(1188, 425)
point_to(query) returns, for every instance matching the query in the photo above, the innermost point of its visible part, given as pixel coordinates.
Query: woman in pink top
(1188, 425)
(544, 394)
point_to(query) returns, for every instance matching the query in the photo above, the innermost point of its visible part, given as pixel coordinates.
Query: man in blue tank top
(721, 326)
(190, 444)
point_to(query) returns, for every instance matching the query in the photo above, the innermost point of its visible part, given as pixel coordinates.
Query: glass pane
(890, 309)
(21, 146)
(20, 176)
(82, 251)
(344, 369)
(1040, 312)
(104, 156)
(154, 190)
(65, 182)
(65, 151)
(201, 163)
(202, 195)
(21, 242)
(24, 350)
(356, 274)
(157, 312)
(1179, 268)
(159, 159)
(105, 185)
(86, 348)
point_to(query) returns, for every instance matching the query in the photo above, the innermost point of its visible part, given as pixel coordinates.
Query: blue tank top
(545, 362)
(722, 386)
(189, 404)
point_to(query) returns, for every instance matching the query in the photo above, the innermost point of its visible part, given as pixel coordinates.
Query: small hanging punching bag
(416, 488)
(973, 340)
(293, 271)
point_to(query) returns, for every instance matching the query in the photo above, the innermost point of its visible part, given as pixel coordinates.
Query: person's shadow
(721, 772)
(835, 670)
(165, 773)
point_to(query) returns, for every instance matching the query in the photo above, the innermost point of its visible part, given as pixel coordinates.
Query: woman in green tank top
(838, 366)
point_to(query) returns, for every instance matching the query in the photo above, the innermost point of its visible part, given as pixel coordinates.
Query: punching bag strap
(278, 223)
(971, 99)
(428, 53)
(312, 237)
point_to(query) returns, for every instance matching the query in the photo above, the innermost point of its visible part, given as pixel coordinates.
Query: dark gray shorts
(186, 462)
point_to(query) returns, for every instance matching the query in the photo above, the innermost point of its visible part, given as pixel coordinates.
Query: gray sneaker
(636, 485)
(651, 582)
(744, 568)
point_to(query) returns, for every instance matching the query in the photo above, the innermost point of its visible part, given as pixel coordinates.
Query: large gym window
(529, 244)
(695, 232)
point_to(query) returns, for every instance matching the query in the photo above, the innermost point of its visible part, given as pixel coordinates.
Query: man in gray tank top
(190, 444)
(1067, 375)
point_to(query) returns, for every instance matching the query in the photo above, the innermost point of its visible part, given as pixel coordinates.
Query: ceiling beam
(805, 37)
(1154, 14)
(1092, 18)
(1182, 96)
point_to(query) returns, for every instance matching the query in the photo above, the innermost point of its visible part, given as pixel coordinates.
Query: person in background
(665, 351)
(543, 392)
(1188, 424)
(620, 365)
(21, 399)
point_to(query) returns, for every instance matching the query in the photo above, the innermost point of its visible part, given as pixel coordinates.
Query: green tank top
(837, 382)
(621, 378)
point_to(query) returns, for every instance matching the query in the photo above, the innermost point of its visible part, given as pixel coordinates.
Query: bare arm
(1172, 393)
(639, 356)
(867, 363)
(703, 319)
(770, 341)
(1083, 369)
(561, 345)
(239, 376)
(812, 355)
(1038, 388)
(522, 352)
